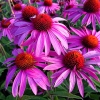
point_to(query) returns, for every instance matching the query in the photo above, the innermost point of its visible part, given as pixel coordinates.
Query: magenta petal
(39, 77)
(55, 43)
(21, 23)
(85, 77)
(44, 77)
(72, 81)
(61, 78)
(16, 83)
(91, 73)
(56, 19)
(61, 38)
(78, 32)
(51, 60)
(91, 54)
(8, 60)
(47, 44)
(56, 74)
(80, 86)
(40, 45)
(53, 66)
(22, 84)
(10, 74)
(33, 85)
(42, 65)
(22, 38)
(85, 19)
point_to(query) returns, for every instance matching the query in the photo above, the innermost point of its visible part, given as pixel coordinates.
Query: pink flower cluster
(46, 43)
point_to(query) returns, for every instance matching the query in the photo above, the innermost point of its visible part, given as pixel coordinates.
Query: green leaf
(66, 94)
(10, 97)
(96, 83)
(2, 70)
(2, 97)
(94, 96)
(27, 97)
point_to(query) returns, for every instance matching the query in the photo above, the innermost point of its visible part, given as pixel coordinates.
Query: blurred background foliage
(59, 93)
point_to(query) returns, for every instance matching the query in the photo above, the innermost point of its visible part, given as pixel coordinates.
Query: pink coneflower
(75, 65)
(68, 5)
(91, 11)
(25, 63)
(18, 7)
(43, 30)
(4, 28)
(47, 6)
(26, 13)
(86, 40)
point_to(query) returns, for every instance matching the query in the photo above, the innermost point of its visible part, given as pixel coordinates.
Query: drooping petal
(10, 74)
(53, 66)
(62, 77)
(91, 54)
(40, 45)
(85, 77)
(16, 83)
(72, 81)
(55, 43)
(32, 85)
(22, 84)
(80, 86)
(47, 44)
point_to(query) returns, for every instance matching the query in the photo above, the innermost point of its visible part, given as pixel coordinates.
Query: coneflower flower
(5, 28)
(48, 6)
(90, 9)
(24, 64)
(75, 65)
(43, 30)
(85, 40)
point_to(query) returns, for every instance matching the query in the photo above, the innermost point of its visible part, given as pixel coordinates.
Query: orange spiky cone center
(28, 12)
(47, 2)
(74, 59)
(91, 6)
(90, 41)
(17, 7)
(42, 22)
(24, 61)
(5, 23)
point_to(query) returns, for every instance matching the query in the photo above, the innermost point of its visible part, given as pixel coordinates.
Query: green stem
(51, 97)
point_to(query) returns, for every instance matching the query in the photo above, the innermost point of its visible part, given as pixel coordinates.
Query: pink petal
(61, 78)
(61, 38)
(39, 45)
(91, 54)
(16, 83)
(85, 77)
(72, 81)
(80, 86)
(53, 66)
(91, 73)
(56, 19)
(61, 28)
(47, 44)
(33, 85)
(22, 84)
(10, 75)
(85, 19)
(55, 43)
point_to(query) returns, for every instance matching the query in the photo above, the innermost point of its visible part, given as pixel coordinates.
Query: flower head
(48, 6)
(90, 9)
(5, 28)
(75, 65)
(42, 30)
(25, 63)
(86, 40)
